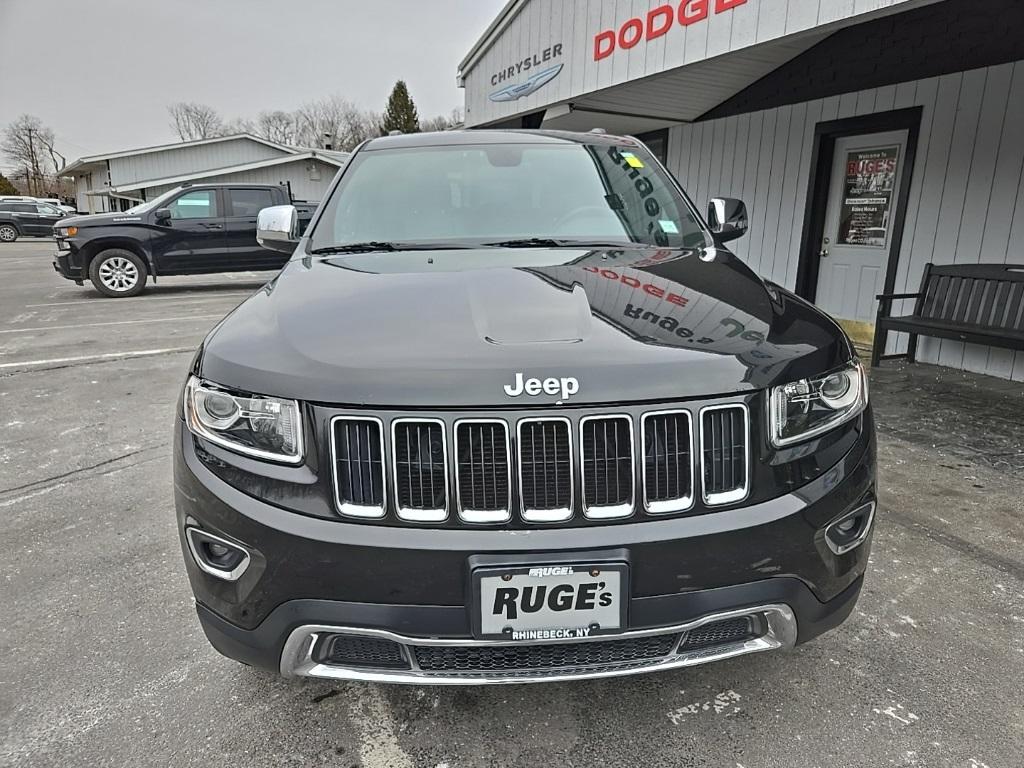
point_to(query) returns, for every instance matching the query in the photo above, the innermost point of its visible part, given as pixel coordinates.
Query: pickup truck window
(248, 202)
(486, 193)
(200, 204)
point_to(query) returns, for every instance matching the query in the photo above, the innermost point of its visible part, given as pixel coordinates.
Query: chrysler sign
(657, 22)
(527, 75)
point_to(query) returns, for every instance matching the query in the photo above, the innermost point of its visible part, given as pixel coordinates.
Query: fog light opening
(216, 556)
(852, 530)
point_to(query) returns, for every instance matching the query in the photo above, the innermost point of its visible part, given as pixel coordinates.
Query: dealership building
(868, 138)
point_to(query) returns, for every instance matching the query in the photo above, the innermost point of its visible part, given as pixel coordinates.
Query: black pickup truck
(190, 230)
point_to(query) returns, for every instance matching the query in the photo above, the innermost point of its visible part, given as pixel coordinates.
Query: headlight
(264, 427)
(803, 409)
(67, 231)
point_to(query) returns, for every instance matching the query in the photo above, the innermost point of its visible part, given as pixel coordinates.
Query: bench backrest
(983, 295)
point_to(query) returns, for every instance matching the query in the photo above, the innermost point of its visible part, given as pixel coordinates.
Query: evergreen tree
(6, 188)
(400, 113)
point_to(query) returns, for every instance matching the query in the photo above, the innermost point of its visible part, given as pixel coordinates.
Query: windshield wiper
(553, 242)
(366, 247)
(377, 245)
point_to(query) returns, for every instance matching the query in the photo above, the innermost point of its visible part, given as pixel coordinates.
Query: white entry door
(859, 221)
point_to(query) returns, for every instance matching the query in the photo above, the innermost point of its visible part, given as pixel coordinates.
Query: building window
(657, 142)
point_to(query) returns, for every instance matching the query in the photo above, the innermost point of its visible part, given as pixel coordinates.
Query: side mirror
(727, 217)
(277, 228)
(163, 214)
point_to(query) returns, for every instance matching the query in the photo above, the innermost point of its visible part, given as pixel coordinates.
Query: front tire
(8, 234)
(118, 273)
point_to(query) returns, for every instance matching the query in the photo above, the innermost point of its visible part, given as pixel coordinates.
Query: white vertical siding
(304, 186)
(177, 160)
(967, 190)
(541, 24)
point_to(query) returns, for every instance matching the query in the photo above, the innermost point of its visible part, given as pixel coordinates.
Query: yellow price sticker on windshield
(632, 160)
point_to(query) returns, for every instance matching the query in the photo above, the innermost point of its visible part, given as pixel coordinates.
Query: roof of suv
(495, 136)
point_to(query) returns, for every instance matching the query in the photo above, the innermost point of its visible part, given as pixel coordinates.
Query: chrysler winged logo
(566, 387)
(528, 86)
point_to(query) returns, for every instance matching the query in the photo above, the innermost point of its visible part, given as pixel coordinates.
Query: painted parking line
(197, 296)
(118, 322)
(108, 356)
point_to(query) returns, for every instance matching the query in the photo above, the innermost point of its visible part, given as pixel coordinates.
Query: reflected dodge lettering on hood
(566, 386)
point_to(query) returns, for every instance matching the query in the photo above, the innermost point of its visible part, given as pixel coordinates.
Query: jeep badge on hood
(567, 386)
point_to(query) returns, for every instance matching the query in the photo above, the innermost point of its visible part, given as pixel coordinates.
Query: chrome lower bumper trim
(297, 657)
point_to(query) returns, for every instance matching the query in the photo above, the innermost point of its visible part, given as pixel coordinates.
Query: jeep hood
(452, 328)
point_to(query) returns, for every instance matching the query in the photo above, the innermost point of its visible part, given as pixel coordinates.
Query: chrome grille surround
(417, 514)
(555, 514)
(739, 492)
(609, 511)
(575, 508)
(681, 503)
(348, 508)
(484, 516)
(776, 629)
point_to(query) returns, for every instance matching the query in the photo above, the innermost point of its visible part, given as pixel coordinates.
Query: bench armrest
(894, 296)
(885, 301)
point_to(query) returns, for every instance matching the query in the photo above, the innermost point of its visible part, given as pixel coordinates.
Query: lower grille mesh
(499, 658)
(719, 633)
(356, 651)
(533, 660)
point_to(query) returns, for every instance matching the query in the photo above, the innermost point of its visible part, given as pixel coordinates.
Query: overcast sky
(101, 73)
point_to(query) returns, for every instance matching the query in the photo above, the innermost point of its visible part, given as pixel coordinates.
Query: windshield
(154, 203)
(502, 193)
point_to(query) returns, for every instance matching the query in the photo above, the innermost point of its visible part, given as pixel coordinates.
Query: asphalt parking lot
(102, 662)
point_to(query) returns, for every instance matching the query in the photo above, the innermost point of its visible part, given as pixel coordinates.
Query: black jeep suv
(512, 413)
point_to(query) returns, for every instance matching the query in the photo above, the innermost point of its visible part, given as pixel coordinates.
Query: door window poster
(868, 192)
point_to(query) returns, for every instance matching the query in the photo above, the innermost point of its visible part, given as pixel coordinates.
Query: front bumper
(310, 580)
(66, 262)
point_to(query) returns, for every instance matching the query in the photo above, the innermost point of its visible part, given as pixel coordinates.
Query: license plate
(551, 602)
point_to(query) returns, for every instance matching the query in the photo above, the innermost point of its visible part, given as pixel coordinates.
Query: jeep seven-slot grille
(724, 449)
(359, 467)
(545, 469)
(421, 472)
(668, 462)
(606, 453)
(483, 470)
(530, 469)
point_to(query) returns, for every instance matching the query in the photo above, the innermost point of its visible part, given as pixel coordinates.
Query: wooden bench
(978, 303)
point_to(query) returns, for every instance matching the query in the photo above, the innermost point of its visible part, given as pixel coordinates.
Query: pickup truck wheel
(118, 273)
(8, 234)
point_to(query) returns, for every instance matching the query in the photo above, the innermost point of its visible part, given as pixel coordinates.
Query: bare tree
(448, 122)
(29, 144)
(333, 122)
(238, 125)
(195, 121)
(276, 126)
